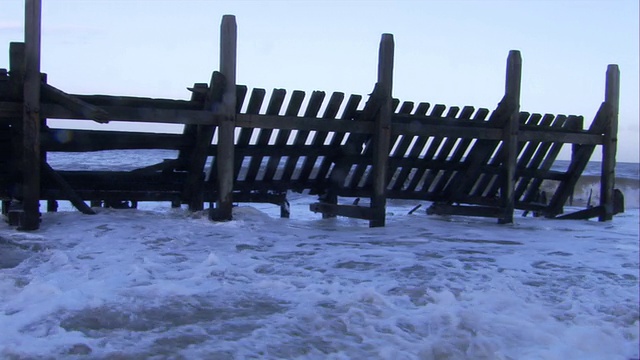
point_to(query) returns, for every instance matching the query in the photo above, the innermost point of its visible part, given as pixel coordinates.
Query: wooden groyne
(465, 161)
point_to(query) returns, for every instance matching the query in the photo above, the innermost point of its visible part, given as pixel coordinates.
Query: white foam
(164, 283)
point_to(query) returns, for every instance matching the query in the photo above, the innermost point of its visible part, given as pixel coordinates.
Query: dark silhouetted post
(382, 135)
(608, 178)
(31, 118)
(510, 135)
(226, 129)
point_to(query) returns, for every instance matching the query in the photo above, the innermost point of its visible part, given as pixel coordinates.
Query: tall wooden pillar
(610, 143)
(510, 135)
(382, 136)
(226, 128)
(31, 118)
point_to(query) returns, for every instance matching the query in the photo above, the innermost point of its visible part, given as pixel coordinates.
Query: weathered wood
(293, 108)
(244, 137)
(414, 151)
(313, 107)
(399, 145)
(429, 148)
(190, 131)
(351, 211)
(596, 211)
(579, 162)
(31, 118)
(66, 189)
(275, 103)
(510, 137)
(70, 140)
(318, 141)
(480, 211)
(609, 148)
(382, 137)
(226, 129)
(192, 192)
(338, 136)
(459, 152)
(74, 104)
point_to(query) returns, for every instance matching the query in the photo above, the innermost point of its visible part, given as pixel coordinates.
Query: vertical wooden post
(510, 135)
(382, 136)
(31, 118)
(609, 146)
(226, 129)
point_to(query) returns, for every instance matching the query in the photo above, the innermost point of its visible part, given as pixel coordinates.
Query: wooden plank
(459, 152)
(579, 162)
(399, 145)
(16, 85)
(192, 192)
(351, 211)
(444, 154)
(31, 118)
(315, 102)
(534, 160)
(525, 151)
(69, 140)
(464, 181)
(226, 129)
(275, 103)
(293, 108)
(330, 112)
(510, 138)
(244, 136)
(348, 114)
(190, 131)
(414, 152)
(609, 148)
(66, 189)
(548, 154)
(429, 150)
(461, 210)
(382, 137)
(74, 104)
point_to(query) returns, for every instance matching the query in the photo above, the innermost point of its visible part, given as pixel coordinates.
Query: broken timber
(466, 161)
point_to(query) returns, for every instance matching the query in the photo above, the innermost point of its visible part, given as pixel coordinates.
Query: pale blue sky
(450, 52)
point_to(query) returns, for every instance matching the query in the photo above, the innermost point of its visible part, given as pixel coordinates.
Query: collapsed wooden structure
(464, 160)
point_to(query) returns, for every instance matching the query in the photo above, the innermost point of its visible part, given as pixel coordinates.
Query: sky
(448, 52)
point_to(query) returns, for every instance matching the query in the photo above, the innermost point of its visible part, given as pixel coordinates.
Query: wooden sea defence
(465, 161)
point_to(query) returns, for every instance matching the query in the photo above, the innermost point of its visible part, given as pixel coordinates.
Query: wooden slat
(414, 152)
(189, 131)
(532, 161)
(338, 136)
(489, 185)
(579, 161)
(74, 104)
(67, 190)
(548, 152)
(204, 134)
(430, 149)
(444, 152)
(319, 139)
(399, 144)
(315, 102)
(480, 153)
(244, 136)
(275, 103)
(458, 153)
(293, 108)
(351, 211)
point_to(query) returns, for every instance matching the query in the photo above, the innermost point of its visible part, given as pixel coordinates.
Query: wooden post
(510, 135)
(609, 146)
(226, 129)
(31, 118)
(382, 136)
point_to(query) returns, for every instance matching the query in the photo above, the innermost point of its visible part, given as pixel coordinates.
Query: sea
(164, 283)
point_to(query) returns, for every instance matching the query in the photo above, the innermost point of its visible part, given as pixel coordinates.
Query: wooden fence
(465, 161)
